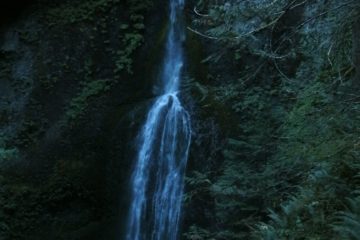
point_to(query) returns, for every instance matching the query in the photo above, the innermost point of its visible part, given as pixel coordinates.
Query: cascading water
(157, 181)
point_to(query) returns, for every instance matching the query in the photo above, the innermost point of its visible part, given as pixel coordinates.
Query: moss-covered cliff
(74, 86)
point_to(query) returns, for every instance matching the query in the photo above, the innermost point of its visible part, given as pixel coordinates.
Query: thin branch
(200, 14)
(201, 34)
(329, 55)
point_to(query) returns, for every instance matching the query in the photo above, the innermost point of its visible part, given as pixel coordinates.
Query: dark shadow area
(11, 10)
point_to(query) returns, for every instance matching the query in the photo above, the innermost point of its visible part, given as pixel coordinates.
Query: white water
(158, 177)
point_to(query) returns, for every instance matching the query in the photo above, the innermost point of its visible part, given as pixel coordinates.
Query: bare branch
(201, 34)
(200, 14)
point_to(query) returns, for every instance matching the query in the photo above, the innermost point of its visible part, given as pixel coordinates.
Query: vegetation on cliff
(286, 71)
(61, 63)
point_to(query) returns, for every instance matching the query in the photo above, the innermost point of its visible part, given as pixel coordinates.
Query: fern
(348, 222)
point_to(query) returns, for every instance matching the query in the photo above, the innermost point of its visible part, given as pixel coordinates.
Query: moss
(69, 13)
(29, 132)
(48, 199)
(7, 154)
(124, 59)
(29, 35)
(5, 64)
(79, 104)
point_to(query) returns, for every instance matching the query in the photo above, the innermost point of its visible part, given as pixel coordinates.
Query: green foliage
(313, 128)
(315, 148)
(8, 154)
(27, 204)
(109, 33)
(348, 221)
(291, 159)
(139, 5)
(196, 233)
(124, 59)
(79, 104)
(306, 215)
(199, 184)
(69, 13)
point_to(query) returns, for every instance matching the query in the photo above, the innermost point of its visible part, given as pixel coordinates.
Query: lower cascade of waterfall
(158, 176)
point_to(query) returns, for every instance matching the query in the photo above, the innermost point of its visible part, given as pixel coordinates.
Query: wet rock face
(74, 89)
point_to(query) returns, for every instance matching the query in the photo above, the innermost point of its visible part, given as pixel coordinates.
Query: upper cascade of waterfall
(173, 60)
(175, 7)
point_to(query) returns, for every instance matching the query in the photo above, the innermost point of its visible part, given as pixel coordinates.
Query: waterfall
(158, 177)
